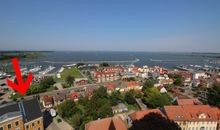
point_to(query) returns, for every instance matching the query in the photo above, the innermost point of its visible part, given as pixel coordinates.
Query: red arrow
(21, 87)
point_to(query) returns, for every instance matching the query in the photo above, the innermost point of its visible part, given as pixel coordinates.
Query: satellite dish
(53, 112)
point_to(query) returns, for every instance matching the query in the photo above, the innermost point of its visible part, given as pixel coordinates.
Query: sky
(110, 25)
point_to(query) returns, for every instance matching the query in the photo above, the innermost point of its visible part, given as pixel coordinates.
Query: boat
(36, 69)
(47, 70)
(181, 67)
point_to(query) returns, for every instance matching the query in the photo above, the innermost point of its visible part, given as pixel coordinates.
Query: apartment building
(194, 117)
(23, 115)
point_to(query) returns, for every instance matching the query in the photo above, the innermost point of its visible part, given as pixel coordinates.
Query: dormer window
(202, 116)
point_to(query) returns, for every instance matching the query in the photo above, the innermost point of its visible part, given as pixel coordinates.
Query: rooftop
(112, 123)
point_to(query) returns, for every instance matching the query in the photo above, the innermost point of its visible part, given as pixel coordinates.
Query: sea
(163, 59)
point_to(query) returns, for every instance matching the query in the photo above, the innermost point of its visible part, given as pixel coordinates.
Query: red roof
(104, 73)
(135, 69)
(184, 74)
(191, 101)
(140, 114)
(110, 86)
(106, 124)
(74, 95)
(47, 99)
(133, 83)
(191, 113)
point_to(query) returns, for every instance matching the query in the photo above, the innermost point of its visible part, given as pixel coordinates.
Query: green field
(72, 72)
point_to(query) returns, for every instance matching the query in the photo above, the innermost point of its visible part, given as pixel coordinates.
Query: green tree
(104, 64)
(115, 98)
(154, 121)
(178, 82)
(76, 120)
(148, 84)
(67, 108)
(153, 98)
(129, 98)
(47, 82)
(214, 95)
(70, 79)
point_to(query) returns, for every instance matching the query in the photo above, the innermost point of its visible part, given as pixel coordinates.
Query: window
(1, 128)
(9, 126)
(33, 124)
(38, 128)
(16, 123)
(38, 122)
(27, 127)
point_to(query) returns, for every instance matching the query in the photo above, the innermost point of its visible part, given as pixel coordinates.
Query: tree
(67, 108)
(47, 82)
(76, 120)
(148, 84)
(154, 121)
(104, 64)
(153, 98)
(129, 98)
(214, 95)
(115, 98)
(178, 82)
(70, 79)
(99, 106)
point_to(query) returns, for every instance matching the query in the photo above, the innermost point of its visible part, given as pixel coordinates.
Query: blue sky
(112, 25)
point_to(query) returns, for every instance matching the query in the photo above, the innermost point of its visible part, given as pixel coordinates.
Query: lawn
(134, 107)
(72, 72)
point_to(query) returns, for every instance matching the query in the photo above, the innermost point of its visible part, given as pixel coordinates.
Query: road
(141, 104)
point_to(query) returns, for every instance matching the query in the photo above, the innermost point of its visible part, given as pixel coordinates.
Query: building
(100, 77)
(113, 69)
(60, 97)
(112, 123)
(119, 108)
(23, 115)
(131, 85)
(162, 89)
(74, 96)
(80, 81)
(194, 117)
(110, 88)
(47, 101)
(190, 101)
(140, 114)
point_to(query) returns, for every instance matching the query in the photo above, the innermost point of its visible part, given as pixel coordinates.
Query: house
(80, 81)
(112, 123)
(160, 70)
(119, 108)
(89, 91)
(190, 101)
(198, 75)
(140, 114)
(22, 115)
(60, 97)
(74, 96)
(193, 117)
(110, 88)
(113, 69)
(128, 75)
(131, 85)
(101, 77)
(47, 101)
(162, 89)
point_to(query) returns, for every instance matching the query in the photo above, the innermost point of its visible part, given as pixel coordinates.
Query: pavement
(141, 104)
